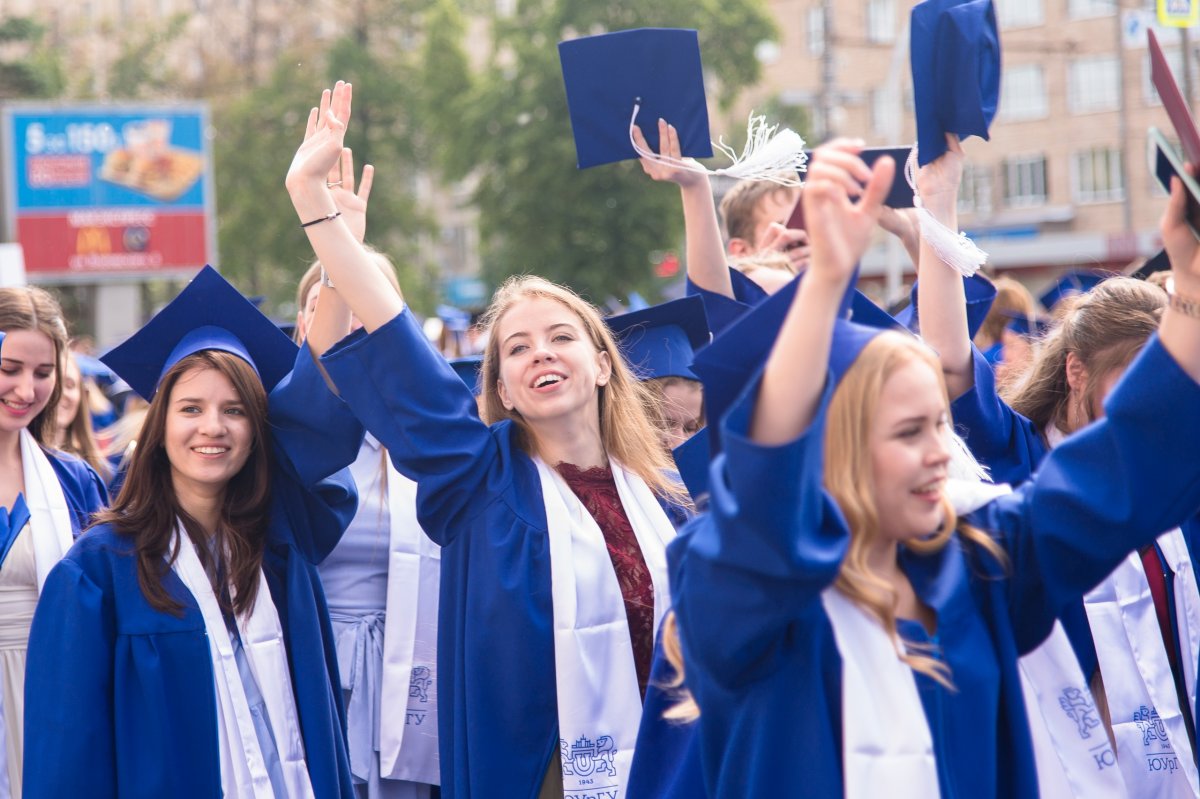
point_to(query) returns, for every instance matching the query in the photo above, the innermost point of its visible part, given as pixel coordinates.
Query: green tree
(140, 70)
(262, 248)
(594, 229)
(36, 70)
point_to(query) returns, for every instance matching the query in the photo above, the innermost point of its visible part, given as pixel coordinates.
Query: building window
(881, 21)
(816, 31)
(975, 191)
(1078, 9)
(1091, 84)
(884, 107)
(1174, 58)
(1025, 181)
(1096, 176)
(1020, 13)
(1023, 93)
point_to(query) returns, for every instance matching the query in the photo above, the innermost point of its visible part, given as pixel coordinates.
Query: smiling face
(549, 369)
(909, 453)
(27, 378)
(208, 435)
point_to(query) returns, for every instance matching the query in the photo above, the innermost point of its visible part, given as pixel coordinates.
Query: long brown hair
(1105, 328)
(147, 507)
(627, 411)
(31, 308)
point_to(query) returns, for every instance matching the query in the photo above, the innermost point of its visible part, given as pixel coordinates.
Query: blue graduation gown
(82, 488)
(119, 697)
(759, 649)
(480, 499)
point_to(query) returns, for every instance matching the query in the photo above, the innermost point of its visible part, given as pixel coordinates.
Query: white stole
(886, 746)
(1153, 749)
(49, 517)
(408, 719)
(599, 703)
(243, 770)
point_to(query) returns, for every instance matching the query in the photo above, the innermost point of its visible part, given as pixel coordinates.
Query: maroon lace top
(598, 493)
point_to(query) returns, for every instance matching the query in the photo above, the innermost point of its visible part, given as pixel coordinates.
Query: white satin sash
(408, 729)
(1153, 749)
(49, 517)
(243, 770)
(599, 703)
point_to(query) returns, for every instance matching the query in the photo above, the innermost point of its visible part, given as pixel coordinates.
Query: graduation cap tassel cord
(777, 157)
(954, 248)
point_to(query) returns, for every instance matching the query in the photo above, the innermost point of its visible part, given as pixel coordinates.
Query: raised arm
(795, 372)
(706, 264)
(940, 291)
(363, 287)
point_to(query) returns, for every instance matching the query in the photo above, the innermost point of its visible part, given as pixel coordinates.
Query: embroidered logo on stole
(1154, 735)
(1079, 708)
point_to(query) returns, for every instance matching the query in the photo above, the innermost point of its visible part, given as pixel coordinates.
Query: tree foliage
(592, 229)
(36, 70)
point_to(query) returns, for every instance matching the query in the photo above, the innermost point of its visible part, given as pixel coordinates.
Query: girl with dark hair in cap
(850, 620)
(184, 648)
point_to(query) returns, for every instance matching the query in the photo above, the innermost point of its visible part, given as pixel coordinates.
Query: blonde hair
(852, 411)
(773, 259)
(1105, 328)
(627, 412)
(847, 473)
(741, 206)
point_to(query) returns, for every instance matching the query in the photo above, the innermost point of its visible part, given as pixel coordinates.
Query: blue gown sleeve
(409, 397)
(315, 437)
(84, 490)
(772, 541)
(69, 722)
(723, 311)
(1110, 488)
(1001, 439)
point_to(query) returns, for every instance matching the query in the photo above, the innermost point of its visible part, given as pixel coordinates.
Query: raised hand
(841, 227)
(668, 147)
(1179, 239)
(352, 204)
(938, 181)
(792, 243)
(321, 151)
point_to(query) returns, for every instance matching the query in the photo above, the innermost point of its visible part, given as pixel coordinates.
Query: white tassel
(955, 249)
(769, 156)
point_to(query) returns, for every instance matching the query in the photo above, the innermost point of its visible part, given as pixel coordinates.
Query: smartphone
(1167, 163)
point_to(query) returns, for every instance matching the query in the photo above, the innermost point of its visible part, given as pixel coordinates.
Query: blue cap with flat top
(209, 314)
(657, 69)
(727, 365)
(979, 292)
(955, 52)
(1069, 285)
(1026, 326)
(662, 340)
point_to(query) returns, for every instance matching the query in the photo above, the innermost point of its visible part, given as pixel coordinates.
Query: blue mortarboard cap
(1026, 326)
(1, 341)
(455, 319)
(606, 75)
(980, 294)
(1069, 284)
(470, 371)
(93, 368)
(662, 340)
(636, 302)
(900, 195)
(209, 314)
(727, 365)
(691, 461)
(955, 50)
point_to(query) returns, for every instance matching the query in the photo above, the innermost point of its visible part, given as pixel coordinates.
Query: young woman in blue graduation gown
(554, 382)
(122, 699)
(830, 497)
(56, 493)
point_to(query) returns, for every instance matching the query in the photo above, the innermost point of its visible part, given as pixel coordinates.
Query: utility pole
(828, 75)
